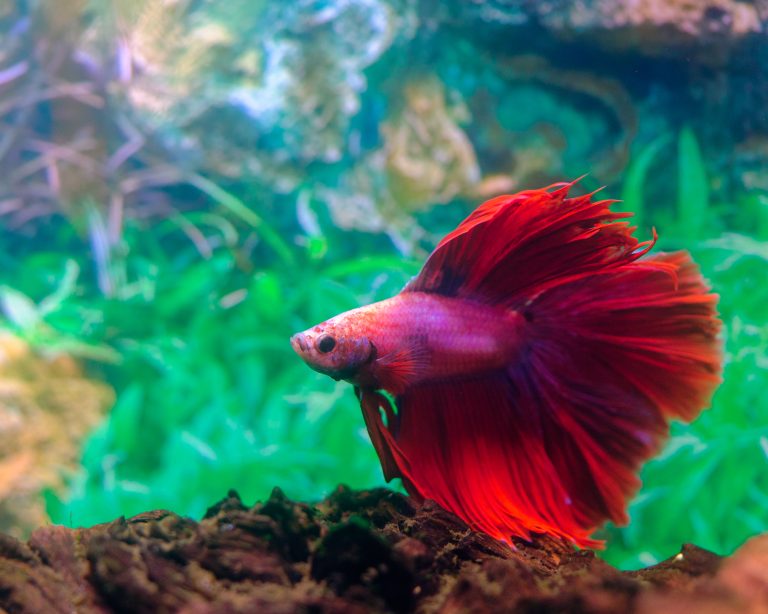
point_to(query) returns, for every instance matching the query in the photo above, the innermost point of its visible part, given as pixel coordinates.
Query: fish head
(333, 349)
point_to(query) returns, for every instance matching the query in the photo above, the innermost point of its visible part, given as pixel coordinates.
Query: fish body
(413, 338)
(535, 363)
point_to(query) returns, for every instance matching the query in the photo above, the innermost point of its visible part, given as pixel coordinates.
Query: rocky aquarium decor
(355, 552)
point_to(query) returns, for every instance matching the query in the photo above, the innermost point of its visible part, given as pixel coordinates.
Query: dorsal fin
(512, 248)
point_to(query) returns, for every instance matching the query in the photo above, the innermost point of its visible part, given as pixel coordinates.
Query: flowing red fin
(554, 443)
(654, 322)
(512, 248)
(479, 449)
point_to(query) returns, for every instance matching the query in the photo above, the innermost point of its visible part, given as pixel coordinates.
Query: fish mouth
(299, 343)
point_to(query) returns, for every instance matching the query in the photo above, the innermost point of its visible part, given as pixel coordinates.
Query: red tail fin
(614, 347)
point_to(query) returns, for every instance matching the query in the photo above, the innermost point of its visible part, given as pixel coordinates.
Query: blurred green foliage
(159, 163)
(210, 394)
(194, 338)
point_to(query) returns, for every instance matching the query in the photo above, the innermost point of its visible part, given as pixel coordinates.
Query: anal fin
(483, 449)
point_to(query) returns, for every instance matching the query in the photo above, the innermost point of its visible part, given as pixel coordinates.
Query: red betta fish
(534, 362)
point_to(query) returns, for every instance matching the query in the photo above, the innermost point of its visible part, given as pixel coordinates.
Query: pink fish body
(535, 362)
(415, 337)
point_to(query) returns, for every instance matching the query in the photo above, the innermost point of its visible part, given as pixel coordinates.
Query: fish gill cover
(184, 185)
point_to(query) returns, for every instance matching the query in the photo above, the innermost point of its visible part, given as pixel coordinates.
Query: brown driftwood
(370, 551)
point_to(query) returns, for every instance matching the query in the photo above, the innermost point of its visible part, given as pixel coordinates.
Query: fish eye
(325, 344)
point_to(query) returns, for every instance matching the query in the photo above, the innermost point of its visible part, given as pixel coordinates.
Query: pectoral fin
(396, 371)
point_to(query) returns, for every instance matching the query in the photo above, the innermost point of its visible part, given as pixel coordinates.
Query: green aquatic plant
(167, 252)
(632, 193)
(687, 220)
(209, 392)
(39, 324)
(692, 186)
(210, 395)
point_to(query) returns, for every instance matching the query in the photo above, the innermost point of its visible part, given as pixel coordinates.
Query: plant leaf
(692, 186)
(20, 310)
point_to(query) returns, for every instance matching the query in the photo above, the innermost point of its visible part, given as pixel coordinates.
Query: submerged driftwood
(369, 551)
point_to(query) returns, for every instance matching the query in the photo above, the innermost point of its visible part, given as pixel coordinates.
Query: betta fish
(531, 366)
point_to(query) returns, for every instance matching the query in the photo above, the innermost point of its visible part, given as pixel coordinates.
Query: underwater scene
(186, 184)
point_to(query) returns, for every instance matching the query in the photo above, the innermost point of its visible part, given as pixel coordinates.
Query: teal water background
(184, 185)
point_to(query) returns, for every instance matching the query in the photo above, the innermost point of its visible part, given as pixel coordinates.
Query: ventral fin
(372, 403)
